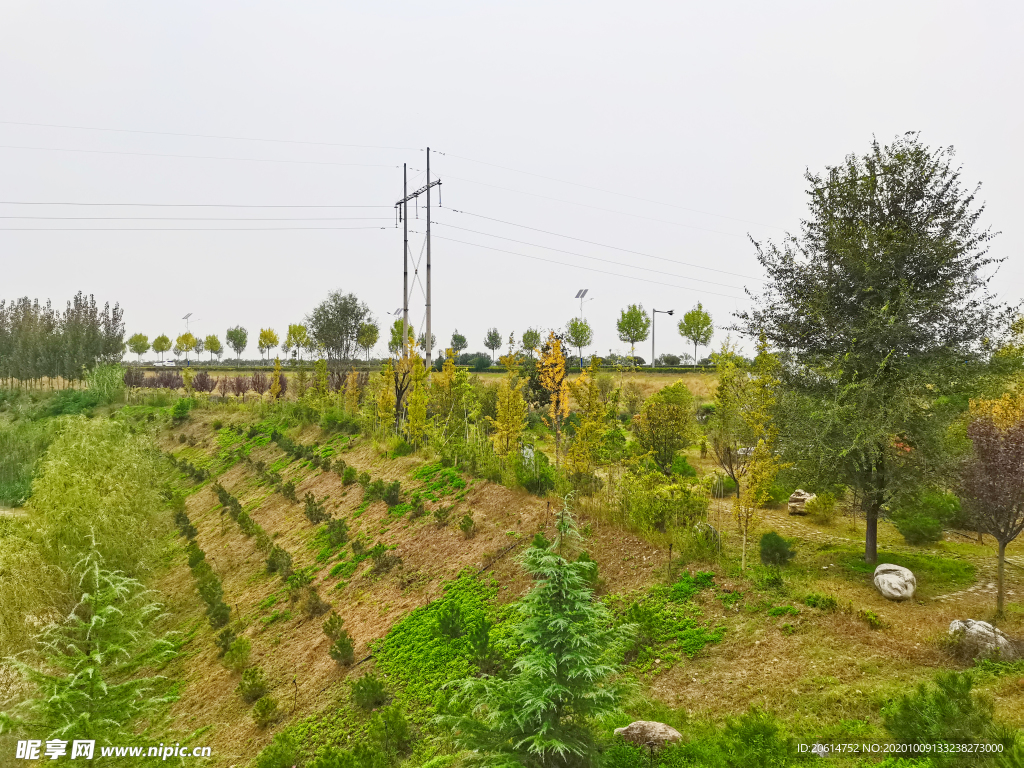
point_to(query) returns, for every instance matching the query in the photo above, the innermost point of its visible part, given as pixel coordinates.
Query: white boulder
(979, 639)
(647, 733)
(799, 500)
(895, 582)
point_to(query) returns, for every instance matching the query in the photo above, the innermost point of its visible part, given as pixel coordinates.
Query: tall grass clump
(97, 480)
(22, 444)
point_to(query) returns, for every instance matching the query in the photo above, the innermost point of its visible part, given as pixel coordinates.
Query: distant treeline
(40, 342)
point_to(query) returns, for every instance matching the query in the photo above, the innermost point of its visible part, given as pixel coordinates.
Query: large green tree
(395, 345)
(459, 343)
(238, 340)
(492, 341)
(531, 341)
(697, 327)
(579, 334)
(334, 324)
(880, 309)
(162, 344)
(367, 336)
(138, 343)
(213, 346)
(633, 325)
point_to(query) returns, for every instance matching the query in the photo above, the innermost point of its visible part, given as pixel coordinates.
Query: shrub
(279, 561)
(339, 467)
(947, 712)
(917, 528)
(237, 657)
(343, 649)
(282, 752)
(253, 685)
(314, 605)
(288, 491)
(224, 640)
(775, 550)
(400, 447)
(822, 602)
(822, 508)
(872, 619)
(479, 637)
(219, 614)
(333, 626)
(349, 477)
(265, 712)
(337, 532)
(181, 409)
(680, 466)
(364, 479)
(374, 490)
(450, 622)
(383, 561)
(392, 493)
(441, 516)
(315, 511)
(217, 424)
(419, 509)
(368, 692)
(920, 519)
(467, 526)
(389, 731)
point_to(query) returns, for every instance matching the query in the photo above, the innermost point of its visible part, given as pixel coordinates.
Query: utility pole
(426, 337)
(405, 260)
(403, 209)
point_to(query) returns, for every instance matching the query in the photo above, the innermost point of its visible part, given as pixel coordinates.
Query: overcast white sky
(713, 109)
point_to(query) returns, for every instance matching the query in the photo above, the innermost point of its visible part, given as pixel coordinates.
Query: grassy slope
(822, 672)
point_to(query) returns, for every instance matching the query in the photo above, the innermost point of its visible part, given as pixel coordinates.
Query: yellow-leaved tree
(511, 406)
(450, 393)
(416, 412)
(386, 398)
(320, 387)
(556, 383)
(352, 393)
(581, 458)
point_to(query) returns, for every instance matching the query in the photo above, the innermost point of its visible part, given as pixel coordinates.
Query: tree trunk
(1002, 569)
(743, 557)
(871, 534)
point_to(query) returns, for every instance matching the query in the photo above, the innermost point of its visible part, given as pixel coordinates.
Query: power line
(589, 269)
(598, 208)
(190, 205)
(206, 136)
(177, 229)
(192, 218)
(610, 192)
(602, 245)
(584, 256)
(193, 157)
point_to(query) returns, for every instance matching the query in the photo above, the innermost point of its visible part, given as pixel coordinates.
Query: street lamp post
(653, 318)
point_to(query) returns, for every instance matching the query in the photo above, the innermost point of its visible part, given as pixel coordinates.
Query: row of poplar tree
(40, 342)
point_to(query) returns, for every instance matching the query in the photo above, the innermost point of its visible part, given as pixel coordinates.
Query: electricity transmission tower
(403, 212)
